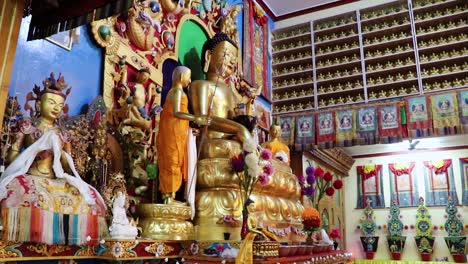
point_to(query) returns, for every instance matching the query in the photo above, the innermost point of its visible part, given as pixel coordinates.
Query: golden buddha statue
(172, 136)
(212, 97)
(217, 186)
(40, 201)
(138, 117)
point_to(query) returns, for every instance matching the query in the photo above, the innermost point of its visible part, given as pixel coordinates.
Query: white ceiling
(284, 7)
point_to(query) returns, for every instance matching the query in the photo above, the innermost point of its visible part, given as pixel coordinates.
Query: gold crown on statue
(52, 85)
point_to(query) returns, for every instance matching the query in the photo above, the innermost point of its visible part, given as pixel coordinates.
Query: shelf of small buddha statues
(303, 83)
(384, 94)
(292, 47)
(293, 59)
(292, 108)
(429, 5)
(342, 100)
(330, 257)
(338, 62)
(292, 96)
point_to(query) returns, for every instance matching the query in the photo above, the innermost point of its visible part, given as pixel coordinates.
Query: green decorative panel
(192, 38)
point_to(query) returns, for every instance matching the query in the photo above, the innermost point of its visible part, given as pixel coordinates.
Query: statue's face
(275, 131)
(223, 59)
(51, 105)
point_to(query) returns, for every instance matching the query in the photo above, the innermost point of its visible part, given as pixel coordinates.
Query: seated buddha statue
(213, 97)
(40, 200)
(279, 150)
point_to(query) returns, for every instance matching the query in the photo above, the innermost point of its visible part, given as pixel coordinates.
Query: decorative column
(424, 238)
(369, 241)
(454, 227)
(396, 242)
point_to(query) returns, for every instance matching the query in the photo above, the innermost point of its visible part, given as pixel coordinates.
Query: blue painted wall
(82, 67)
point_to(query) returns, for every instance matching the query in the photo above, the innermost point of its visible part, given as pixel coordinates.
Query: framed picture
(262, 111)
(62, 39)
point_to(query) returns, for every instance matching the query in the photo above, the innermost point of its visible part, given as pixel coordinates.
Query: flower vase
(245, 227)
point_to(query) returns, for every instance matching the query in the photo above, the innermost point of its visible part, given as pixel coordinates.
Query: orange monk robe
(276, 146)
(172, 147)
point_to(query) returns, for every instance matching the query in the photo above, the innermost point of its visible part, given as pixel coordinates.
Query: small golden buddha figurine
(430, 29)
(457, 82)
(455, 53)
(292, 45)
(348, 86)
(451, 25)
(284, 70)
(293, 69)
(375, 40)
(407, 47)
(325, 38)
(423, 44)
(445, 69)
(399, 49)
(286, 95)
(321, 90)
(320, 76)
(331, 101)
(431, 43)
(382, 94)
(339, 87)
(434, 71)
(328, 49)
(369, 54)
(302, 93)
(300, 68)
(465, 81)
(437, 13)
(389, 65)
(300, 43)
(337, 48)
(402, 35)
(392, 92)
(354, 57)
(330, 89)
(388, 51)
(337, 61)
(345, 58)
(402, 91)
(389, 79)
(340, 100)
(329, 75)
(345, 73)
(284, 108)
(292, 57)
(293, 94)
(333, 24)
(395, 23)
(285, 83)
(310, 105)
(356, 71)
(370, 68)
(456, 68)
(384, 39)
(378, 53)
(320, 51)
(354, 44)
(292, 107)
(465, 66)
(300, 81)
(293, 81)
(322, 103)
(359, 98)
(427, 87)
(399, 77)
(358, 84)
(414, 89)
(349, 99)
(418, 17)
(310, 91)
(333, 36)
(346, 46)
(300, 106)
(446, 84)
(424, 73)
(328, 62)
(399, 63)
(380, 80)
(338, 74)
(378, 67)
(441, 27)
(436, 86)
(410, 75)
(384, 25)
(367, 41)
(409, 61)
(442, 40)
(424, 58)
(370, 81)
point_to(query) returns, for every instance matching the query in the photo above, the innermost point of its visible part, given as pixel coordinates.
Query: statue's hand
(202, 120)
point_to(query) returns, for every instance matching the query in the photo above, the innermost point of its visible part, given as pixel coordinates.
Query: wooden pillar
(11, 13)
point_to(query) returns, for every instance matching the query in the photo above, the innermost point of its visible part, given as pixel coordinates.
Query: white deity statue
(121, 227)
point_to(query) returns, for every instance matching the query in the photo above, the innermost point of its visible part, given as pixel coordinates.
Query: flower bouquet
(311, 222)
(317, 183)
(251, 166)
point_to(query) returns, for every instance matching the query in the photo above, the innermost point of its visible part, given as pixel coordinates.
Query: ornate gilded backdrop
(142, 47)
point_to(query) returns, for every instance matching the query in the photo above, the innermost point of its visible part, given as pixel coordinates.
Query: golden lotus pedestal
(165, 221)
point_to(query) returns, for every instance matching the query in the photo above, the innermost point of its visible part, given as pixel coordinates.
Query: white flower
(281, 155)
(254, 171)
(249, 145)
(251, 160)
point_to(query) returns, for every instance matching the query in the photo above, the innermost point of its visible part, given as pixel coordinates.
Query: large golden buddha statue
(40, 200)
(277, 204)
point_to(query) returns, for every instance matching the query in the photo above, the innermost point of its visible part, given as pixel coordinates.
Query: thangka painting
(390, 130)
(403, 183)
(370, 186)
(439, 181)
(305, 132)
(445, 117)
(463, 110)
(464, 177)
(419, 121)
(256, 53)
(345, 128)
(262, 111)
(325, 130)
(367, 126)
(287, 129)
